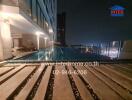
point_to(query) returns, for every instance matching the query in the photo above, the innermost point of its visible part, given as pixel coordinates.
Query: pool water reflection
(62, 54)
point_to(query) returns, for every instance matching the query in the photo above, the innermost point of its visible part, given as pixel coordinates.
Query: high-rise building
(27, 23)
(61, 28)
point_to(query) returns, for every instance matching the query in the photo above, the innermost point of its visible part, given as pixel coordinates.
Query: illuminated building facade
(20, 20)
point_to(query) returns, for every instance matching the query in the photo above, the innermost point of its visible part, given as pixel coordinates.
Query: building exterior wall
(126, 52)
(41, 12)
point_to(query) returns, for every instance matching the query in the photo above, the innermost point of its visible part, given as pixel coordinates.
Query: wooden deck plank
(122, 92)
(41, 92)
(109, 67)
(11, 72)
(9, 86)
(97, 86)
(62, 88)
(84, 93)
(4, 69)
(104, 82)
(119, 78)
(28, 87)
(122, 69)
(127, 67)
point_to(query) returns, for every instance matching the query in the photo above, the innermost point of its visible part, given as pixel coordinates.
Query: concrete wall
(126, 52)
(29, 41)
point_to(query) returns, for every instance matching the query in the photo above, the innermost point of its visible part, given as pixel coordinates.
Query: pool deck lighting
(45, 40)
(38, 35)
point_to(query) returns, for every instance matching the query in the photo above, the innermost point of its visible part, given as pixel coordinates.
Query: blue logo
(117, 11)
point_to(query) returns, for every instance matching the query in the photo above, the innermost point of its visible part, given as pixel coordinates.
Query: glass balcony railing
(32, 8)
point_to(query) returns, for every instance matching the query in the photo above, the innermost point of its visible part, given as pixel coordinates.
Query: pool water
(62, 54)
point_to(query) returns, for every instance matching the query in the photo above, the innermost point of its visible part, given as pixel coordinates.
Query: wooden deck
(48, 81)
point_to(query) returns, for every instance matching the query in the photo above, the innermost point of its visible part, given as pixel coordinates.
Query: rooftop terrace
(65, 81)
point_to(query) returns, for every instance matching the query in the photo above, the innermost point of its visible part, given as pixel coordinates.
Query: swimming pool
(62, 54)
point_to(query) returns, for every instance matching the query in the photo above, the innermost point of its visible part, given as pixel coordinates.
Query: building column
(5, 39)
(16, 42)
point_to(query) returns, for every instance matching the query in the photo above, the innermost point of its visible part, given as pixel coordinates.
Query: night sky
(90, 20)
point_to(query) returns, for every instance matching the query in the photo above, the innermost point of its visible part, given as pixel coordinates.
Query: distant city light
(114, 42)
(112, 53)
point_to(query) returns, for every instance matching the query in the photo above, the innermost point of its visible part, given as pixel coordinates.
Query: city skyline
(90, 21)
